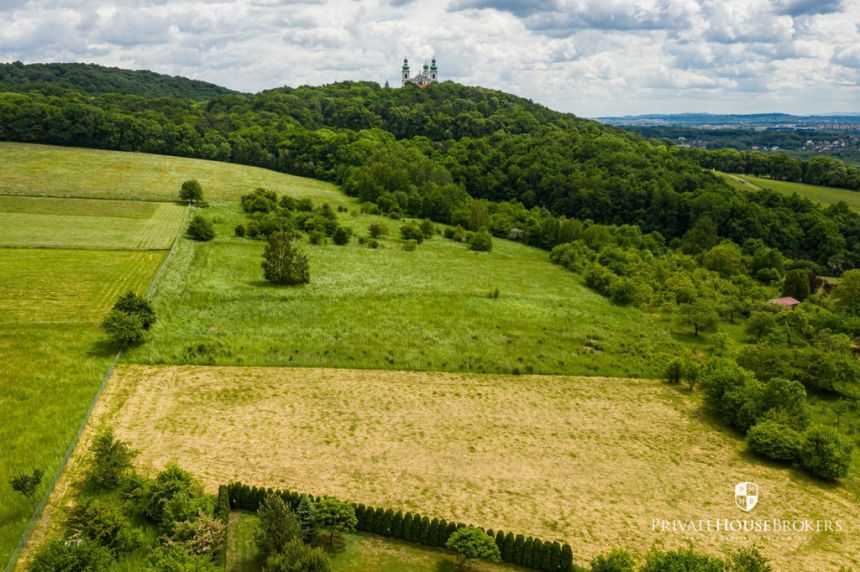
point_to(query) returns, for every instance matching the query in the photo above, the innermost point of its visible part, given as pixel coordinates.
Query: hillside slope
(95, 79)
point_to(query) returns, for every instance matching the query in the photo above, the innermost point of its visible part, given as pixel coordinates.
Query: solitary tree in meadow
(283, 263)
(26, 484)
(700, 315)
(191, 192)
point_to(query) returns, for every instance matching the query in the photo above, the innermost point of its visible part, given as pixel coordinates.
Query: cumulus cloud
(590, 57)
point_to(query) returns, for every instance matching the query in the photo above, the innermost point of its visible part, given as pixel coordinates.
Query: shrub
(177, 558)
(797, 284)
(200, 228)
(283, 263)
(681, 560)
(103, 524)
(473, 544)
(623, 292)
(482, 241)
(427, 229)
(675, 371)
(377, 230)
(26, 484)
(599, 278)
(191, 191)
(202, 535)
(64, 555)
(278, 525)
(298, 557)
(136, 305)
(123, 329)
(411, 231)
(341, 235)
(110, 460)
(747, 560)
(617, 560)
(173, 496)
(826, 453)
(239, 231)
(775, 441)
(410, 245)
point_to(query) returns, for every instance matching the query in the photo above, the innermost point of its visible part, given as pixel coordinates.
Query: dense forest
(93, 79)
(430, 152)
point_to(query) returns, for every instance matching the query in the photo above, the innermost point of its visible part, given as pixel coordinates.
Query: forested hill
(431, 152)
(94, 79)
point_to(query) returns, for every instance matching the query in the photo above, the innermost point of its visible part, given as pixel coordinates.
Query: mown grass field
(85, 223)
(354, 553)
(589, 461)
(45, 170)
(822, 195)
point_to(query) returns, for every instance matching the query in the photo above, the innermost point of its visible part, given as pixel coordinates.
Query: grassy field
(86, 223)
(45, 170)
(822, 195)
(587, 461)
(354, 553)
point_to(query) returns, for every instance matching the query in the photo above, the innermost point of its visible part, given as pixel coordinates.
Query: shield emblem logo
(746, 496)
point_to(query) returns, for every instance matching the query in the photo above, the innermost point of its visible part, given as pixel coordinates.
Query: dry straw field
(591, 461)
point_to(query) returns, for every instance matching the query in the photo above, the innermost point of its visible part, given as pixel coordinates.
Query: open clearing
(585, 460)
(84, 223)
(822, 195)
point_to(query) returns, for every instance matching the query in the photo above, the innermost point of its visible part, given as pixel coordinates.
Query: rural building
(428, 75)
(786, 301)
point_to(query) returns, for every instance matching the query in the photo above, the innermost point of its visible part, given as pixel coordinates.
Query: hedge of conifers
(413, 527)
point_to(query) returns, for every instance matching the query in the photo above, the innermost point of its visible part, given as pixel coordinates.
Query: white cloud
(590, 57)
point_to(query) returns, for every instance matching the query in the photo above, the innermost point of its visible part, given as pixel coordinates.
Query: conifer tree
(566, 558)
(425, 531)
(385, 522)
(517, 553)
(305, 515)
(528, 552)
(397, 525)
(508, 548)
(442, 539)
(407, 527)
(554, 556)
(500, 541)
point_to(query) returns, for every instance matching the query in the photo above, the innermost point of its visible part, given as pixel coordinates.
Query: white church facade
(429, 74)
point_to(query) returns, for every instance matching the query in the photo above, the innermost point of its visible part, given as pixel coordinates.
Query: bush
(341, 235)
(482, 241)
(826, 453)
(84, 555)
(675, 371)
(473, 544)
(283, 263)
(617, 560)
(136, 305)
(200, 229)
(681, 560)
(410, 245)
(239, 231)
(173, 496)
(278, 525)
(377, 230)
(110, 460)
(298, 557)
(191, 191)
(123, 329)
(177, 558)
(103, 524)
(775, 441)
(747, 560)
(203, 535)
(623, 292)
(797, 284)
(411, 231)
(427, 229)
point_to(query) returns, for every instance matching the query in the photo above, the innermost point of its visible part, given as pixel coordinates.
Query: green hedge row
(516, 549)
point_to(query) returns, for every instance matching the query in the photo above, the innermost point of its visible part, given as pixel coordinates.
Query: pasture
(822, 195)
(589, 461)
(45, 170)
(85, 223)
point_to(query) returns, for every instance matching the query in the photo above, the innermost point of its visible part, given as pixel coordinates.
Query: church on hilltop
(427, 76)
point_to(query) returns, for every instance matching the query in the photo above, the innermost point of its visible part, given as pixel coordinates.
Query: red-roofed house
(786, 301)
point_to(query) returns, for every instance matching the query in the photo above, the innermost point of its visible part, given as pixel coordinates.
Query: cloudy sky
(590, 57)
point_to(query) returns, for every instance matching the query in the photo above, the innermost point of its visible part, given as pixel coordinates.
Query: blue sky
(589, 57)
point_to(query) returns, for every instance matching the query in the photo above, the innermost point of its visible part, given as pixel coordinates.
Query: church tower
(433, 71)
(405, 73)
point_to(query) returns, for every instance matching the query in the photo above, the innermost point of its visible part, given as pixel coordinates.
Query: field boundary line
(37, 514)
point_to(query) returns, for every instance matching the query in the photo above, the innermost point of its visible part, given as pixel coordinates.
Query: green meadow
(822, 195)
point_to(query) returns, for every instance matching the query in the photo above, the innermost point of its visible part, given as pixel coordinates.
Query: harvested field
(589, 461)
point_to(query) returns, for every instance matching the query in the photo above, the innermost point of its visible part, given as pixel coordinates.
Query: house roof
(785, 301)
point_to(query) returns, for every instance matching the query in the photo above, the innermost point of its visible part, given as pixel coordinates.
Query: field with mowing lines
(463, 446)
(54, 285)
(82, 223)
(44, 170)
(822, 195)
